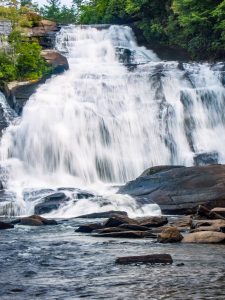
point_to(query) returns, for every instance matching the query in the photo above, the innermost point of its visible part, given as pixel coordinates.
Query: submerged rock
(4, 225)
(179, 190)
(50, 203)
(170, 235)
(149, 259)
(205, 237)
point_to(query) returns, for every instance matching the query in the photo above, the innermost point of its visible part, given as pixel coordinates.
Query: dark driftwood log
(150, 259)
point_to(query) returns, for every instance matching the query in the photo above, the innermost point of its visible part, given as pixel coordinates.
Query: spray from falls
(116, 112)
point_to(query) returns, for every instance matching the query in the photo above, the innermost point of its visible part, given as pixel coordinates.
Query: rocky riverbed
(59, 262)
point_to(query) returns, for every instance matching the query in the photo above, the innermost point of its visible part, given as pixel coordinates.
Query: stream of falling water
(116, 112)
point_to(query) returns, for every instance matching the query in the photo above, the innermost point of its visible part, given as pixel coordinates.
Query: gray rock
(180, 190)
(50, 203)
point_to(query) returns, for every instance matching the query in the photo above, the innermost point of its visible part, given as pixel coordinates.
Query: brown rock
(205, 237)
(150, 259)
(153, 221)
(170, 235)
(43, 27)
(34, 220)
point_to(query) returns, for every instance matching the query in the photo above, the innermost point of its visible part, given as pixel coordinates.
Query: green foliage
(62, 14)
(7, 67)
(20, 59)
(195, 25)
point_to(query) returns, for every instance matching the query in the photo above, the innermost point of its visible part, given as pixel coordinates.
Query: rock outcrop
(179, 190)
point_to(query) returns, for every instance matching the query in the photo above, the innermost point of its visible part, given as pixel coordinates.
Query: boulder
(104, 215)
(179, 190)
(156, 221)
(50, 203)
(170, 235)
(128, 234)
(4, 225)
(56, 60)
(88, 228)
(34, 220)
(147, 259)
(118, 220)
(205, 237)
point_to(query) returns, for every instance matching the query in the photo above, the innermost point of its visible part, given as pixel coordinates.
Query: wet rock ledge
(178, 189)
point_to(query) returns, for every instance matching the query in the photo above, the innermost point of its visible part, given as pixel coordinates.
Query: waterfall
(118, 110)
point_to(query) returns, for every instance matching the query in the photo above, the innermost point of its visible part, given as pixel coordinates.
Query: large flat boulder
(179, 190)
(205, 237)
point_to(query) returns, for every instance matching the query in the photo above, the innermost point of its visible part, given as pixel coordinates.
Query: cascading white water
(107, 121)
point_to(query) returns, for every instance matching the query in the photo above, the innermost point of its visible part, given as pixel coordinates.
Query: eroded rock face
(205, 237)
(179, 190)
